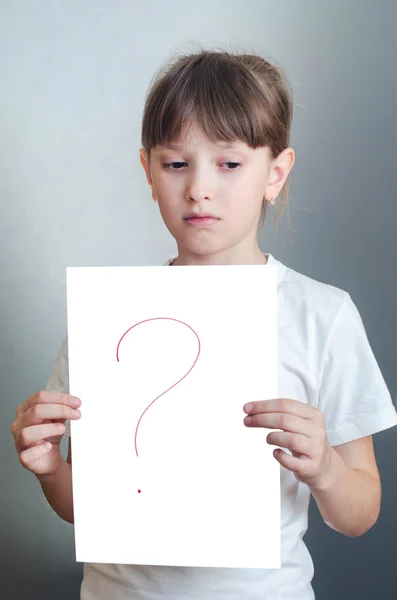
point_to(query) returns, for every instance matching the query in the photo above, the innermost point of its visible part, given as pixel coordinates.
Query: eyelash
(167, 166)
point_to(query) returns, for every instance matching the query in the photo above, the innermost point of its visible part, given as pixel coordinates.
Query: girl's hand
(38, 430)
(302, 432)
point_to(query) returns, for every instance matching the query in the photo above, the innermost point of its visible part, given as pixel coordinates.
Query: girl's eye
(176, 166)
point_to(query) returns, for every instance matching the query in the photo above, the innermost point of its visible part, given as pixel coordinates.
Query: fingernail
(248, 407)
(61, 427)
(76, 401)
(248, 420)
(76, 413)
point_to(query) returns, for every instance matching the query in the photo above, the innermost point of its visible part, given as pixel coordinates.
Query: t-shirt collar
(270, 261)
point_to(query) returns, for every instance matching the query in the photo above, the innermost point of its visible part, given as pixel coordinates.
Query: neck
(229, 257)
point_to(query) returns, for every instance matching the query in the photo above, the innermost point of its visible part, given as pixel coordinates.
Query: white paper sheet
(209, 486)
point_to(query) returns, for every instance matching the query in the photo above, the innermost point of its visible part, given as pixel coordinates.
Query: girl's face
(210, 196)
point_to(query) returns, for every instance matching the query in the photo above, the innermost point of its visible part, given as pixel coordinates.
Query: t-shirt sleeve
(353, 395)
(59, 378)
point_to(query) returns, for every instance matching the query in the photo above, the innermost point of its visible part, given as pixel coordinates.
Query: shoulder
(59, 377)
(316, 304)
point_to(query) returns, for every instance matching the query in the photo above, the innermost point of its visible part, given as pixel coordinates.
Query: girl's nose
(198, 190)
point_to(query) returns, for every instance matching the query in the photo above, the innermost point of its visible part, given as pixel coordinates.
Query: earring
(271, 201)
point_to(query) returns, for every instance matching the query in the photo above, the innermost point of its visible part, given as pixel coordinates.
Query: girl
(215, 150)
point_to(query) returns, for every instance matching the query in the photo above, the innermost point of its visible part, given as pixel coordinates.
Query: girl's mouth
(201, 220)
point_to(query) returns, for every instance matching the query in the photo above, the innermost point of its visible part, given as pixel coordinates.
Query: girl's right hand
(38, 430)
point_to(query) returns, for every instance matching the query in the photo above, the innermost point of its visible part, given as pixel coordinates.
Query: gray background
(73, 77)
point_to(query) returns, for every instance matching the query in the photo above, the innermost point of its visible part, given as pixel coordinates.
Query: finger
(50, 397)
(294, 442)
(283, 405)
(287, 461)
(37, 433)
(284, 421)
(39, 412)
(31, 455)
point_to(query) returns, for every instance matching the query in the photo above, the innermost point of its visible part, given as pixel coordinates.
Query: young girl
(215, 150)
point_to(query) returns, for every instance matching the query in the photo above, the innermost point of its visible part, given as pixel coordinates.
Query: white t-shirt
(325, 360)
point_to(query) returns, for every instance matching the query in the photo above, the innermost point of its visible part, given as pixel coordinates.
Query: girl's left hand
(303, 433)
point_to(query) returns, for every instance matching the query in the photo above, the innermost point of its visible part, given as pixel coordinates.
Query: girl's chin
(203, 250)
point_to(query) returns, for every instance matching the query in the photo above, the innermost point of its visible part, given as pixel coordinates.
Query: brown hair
(230, 96)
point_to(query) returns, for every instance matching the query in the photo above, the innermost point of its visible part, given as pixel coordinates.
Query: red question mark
(170, 388)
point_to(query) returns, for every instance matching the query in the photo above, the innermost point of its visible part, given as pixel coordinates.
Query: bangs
(218, 95)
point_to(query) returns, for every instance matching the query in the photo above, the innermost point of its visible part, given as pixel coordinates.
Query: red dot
(139, 491)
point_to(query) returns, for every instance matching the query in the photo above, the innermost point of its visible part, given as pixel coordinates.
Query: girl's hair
(230, 96)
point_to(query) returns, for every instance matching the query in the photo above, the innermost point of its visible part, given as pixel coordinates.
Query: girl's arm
(57, 489)
(349, 497)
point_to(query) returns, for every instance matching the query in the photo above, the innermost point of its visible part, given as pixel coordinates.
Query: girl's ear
(145, 164)
(279, 172)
